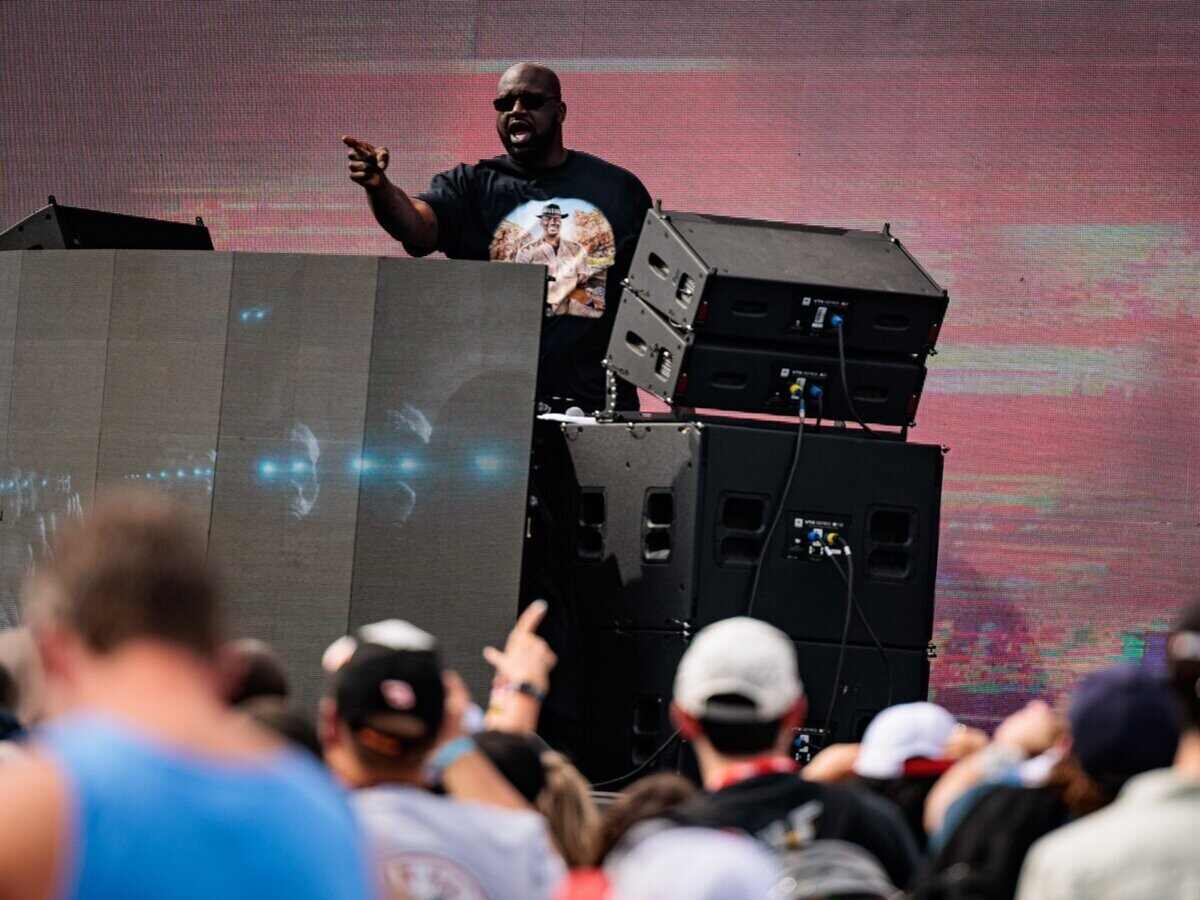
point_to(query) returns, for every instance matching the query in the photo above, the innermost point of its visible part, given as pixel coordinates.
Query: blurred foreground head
(134, 570)
(551, 785)
(1123, 722)
(1183, 662)
(645, 799)
(694, 863)
(256, 670)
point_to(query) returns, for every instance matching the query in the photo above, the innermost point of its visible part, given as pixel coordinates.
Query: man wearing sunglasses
(497, 209)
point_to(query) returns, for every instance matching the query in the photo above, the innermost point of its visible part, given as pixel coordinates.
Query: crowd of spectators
(145, 755)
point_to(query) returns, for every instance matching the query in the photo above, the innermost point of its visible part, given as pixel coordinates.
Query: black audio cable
(862, 615)
(646, 763)
(787, 488)
(837, 674)
(838, 322)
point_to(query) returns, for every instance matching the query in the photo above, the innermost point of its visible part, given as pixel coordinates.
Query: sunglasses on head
(528, 101)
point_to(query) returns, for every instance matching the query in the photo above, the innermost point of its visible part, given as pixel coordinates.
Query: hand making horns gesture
(367, 164)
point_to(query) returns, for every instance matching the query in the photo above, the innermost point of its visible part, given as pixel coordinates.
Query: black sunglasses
(528, 101)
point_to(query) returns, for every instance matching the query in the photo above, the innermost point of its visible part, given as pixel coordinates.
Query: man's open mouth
(520, 132)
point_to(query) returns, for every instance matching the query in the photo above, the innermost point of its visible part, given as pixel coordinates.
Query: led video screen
(345, 463)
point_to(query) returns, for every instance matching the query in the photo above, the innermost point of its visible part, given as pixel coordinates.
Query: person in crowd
(11, 728)
(258, 686)
(10, 699)
(554, 787)
(517, 207)
(647, 798)
(671, 863)
(1144, 843)
(904, 751)
(392, 727)
(567, 804)
(19, 657)
(144, 783)
(1040, 771)
(278, 716)
(255, 670)
(738, 698)
(693, 863)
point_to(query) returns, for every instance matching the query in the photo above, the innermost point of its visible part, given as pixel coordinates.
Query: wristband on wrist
(450, 752)
(528, 688)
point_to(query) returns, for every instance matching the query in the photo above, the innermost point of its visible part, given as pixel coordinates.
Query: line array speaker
(56, 227)
(781, 283)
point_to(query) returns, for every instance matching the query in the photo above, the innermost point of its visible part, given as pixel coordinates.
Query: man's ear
(797, 715)
(57, 650)
(562, 112)
(687, 724)
(231, 669)
(327, 723)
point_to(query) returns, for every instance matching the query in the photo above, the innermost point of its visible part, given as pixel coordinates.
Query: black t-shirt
(789, 813)
(581, 220)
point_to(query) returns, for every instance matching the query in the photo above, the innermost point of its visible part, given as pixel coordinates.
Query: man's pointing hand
(367, 164)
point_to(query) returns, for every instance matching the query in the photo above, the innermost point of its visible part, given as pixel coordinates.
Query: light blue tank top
(150, 821)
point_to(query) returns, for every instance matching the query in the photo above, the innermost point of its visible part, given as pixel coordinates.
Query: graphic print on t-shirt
(570, 237)
(427, 876)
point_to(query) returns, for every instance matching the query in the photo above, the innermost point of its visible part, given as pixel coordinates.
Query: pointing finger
(529, 620)
(361, 146)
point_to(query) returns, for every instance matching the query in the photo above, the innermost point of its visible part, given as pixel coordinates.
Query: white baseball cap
(901, 733)
(744, 657)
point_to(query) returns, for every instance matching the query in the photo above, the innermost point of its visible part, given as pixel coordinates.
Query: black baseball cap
(388, 680)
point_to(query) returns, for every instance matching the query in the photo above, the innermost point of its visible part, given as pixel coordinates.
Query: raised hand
(367, 163)
(526, 658)
(1034, 728)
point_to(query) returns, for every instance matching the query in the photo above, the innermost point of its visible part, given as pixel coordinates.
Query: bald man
(537, 202)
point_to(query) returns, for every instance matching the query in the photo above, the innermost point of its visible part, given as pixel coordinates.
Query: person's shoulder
(1096, 840)
(300, 773)
(762, 795)
(34, 821)
(403, 800)
(610, 170)
(33, 778)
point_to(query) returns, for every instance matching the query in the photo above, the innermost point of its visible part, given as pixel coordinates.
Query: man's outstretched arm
(409, 220)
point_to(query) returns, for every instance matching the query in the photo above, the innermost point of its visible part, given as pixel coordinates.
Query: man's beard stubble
(531, 151)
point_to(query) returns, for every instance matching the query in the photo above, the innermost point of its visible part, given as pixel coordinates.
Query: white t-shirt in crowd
(438, 848)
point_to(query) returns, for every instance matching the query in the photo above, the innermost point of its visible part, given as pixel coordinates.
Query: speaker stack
(662, 523)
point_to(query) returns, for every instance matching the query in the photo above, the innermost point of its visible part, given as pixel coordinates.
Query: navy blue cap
(1124, 721)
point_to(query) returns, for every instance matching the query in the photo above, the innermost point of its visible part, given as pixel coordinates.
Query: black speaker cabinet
(670, 519)
(56, 227)
(627, 689)
(693, 370)
(756, 282)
